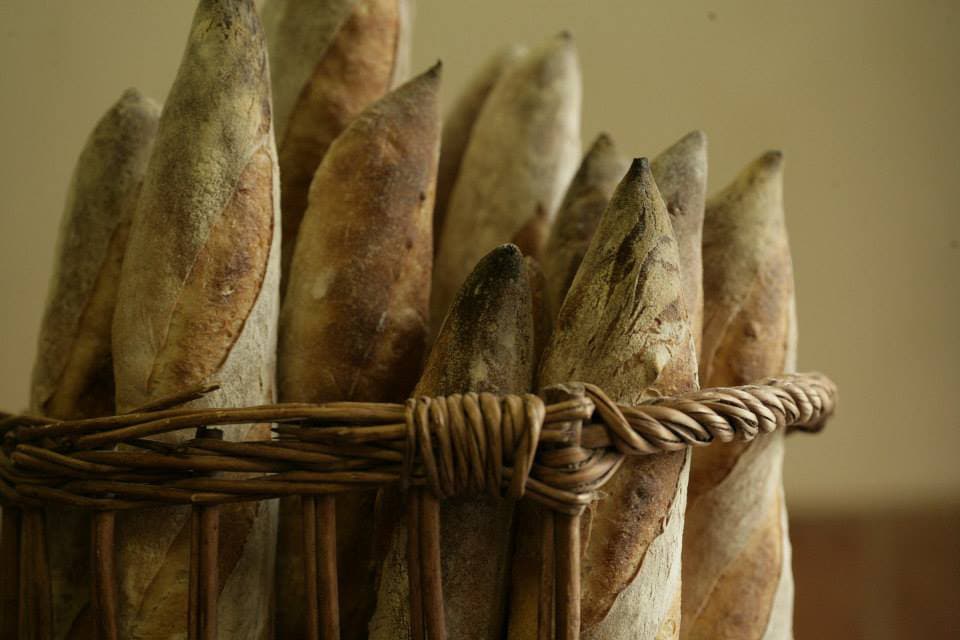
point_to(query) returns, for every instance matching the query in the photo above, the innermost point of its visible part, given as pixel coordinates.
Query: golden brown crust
(486, 344)
(354, 320)
(734, 487)
(522, 152)
(746, 580)
(578, 216)
(198, 302)
(222, 286)
(623, 326)
(354, 70)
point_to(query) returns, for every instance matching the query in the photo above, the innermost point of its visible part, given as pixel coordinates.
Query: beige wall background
(863, 98)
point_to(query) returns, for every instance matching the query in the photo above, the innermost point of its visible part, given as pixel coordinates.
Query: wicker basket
(557, 449)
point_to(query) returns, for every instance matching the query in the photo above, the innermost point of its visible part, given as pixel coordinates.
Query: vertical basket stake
(430, 572)
(413, 565)
(568, 576)
(327, 570)
(545, 615)
(10, 574)
(566, 541)
(204, 574)
(35, 618)
(310, 564)
(103, 588)
(204, 591)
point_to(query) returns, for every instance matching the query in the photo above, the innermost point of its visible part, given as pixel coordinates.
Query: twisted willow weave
(558, 449)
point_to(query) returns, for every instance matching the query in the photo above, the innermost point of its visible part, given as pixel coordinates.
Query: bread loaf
(578, 216)
(458, 125)
(523, 149)
(329, 59)
(485, 344)
(624, 327)
(197, 303)
(681, 175)
(736, 564)
(354, 319)
(73, 370)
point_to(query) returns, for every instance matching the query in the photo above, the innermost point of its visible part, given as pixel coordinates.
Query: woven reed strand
(462, 444)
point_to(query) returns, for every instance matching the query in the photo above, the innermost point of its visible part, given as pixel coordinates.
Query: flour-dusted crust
(523, 150)
(73, 370)
(623, 326)
(355, 315)
(328, 61)
(681, 175)
(577, 218)
(737, 579)
(458, 124)
(486, 344)
(198, 302)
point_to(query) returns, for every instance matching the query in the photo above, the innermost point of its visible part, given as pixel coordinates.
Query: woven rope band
(464, 444)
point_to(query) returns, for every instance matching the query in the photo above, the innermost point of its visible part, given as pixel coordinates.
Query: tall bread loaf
(458, 125)
(485, 344)
(73, 370)
(577, 218)
(737, 580)
(198, 302)
(354, 319)
(329, 59)
(623, 326)
(681, 175)
(523, 149)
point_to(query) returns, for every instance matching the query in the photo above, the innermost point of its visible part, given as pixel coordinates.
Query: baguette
(736, 565)
(486, 344)
(577, 218)
(681, 175)
(354, 320)
(328, 60)
(458, 125)
(73, 371)
(522, 152)
(198, 302)
(624, 327)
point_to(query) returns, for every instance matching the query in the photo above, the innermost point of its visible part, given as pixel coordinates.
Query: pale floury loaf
(73, 370)
(737, 580)
(355, 315)
(486, 344)
(681, 175)
(329, 59)
(623, 326)
(458, 125)
(197, 303)
(522, 152)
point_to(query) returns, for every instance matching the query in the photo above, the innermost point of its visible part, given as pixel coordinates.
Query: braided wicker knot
(564, 452)
(466, 442)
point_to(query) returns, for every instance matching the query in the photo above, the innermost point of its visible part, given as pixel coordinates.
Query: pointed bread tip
(771, 160)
